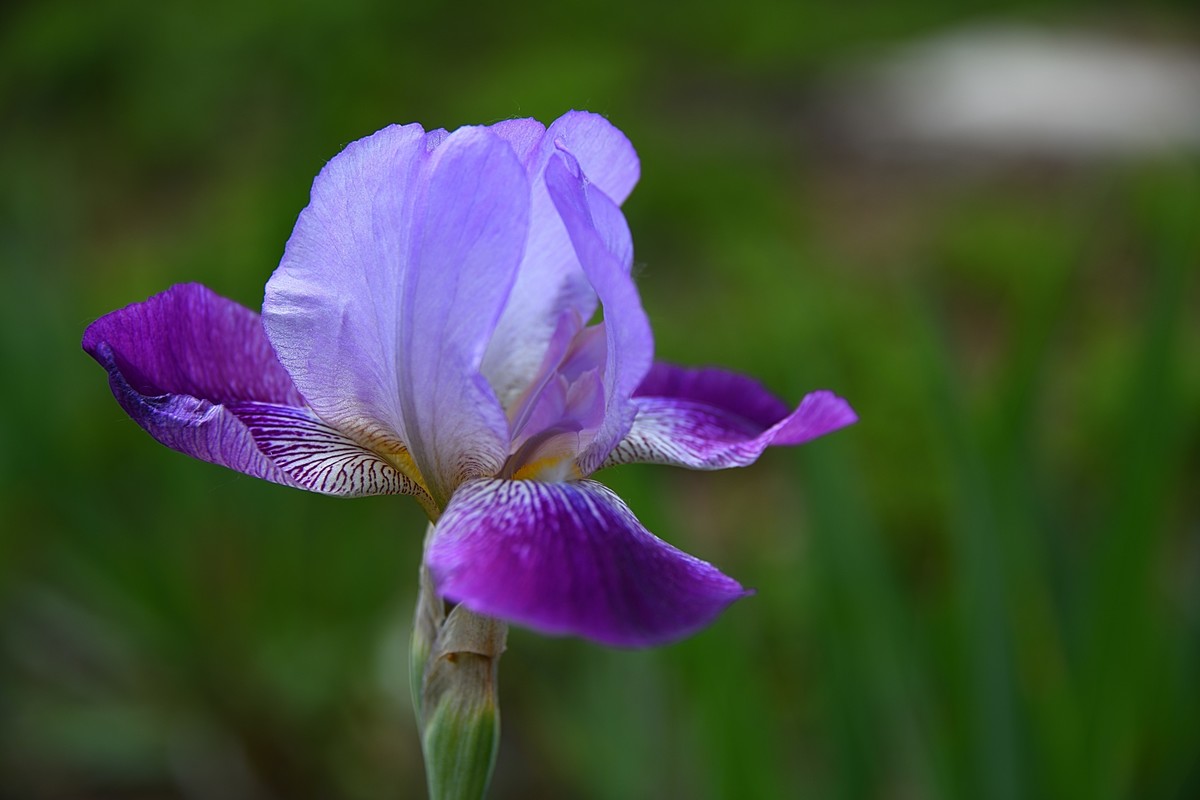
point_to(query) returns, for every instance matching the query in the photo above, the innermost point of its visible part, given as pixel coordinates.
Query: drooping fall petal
(318, 457)
(197, 372)
(570, 558)
(713, 419)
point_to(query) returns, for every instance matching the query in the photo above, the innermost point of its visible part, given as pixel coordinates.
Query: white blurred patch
(1024, 91)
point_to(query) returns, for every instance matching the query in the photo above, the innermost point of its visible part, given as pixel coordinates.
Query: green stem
(454, 662)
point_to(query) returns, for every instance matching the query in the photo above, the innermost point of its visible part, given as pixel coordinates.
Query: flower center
(555, 418)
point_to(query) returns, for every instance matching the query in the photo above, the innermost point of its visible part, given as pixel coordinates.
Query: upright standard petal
(570, 558)
(602, 243)
(390, 288)
(470, 235)
(551, 281)
(197, 372)
(332, 307)
(713, 419)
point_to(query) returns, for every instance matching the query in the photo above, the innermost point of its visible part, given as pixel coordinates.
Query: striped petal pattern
(712, 419)
(197, 372)
(319, 458)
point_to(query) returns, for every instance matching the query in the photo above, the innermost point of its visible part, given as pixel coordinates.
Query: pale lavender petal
(571, 558)
(713, 419)
(332, 307)
(568, 393)
(603, 152)
(601, 241)
(550, 280)
(523, 405)
(390, 288)
(471, 236)
(524, 136)
(577, 407)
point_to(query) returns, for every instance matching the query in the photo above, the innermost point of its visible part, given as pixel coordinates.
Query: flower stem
(454, 661)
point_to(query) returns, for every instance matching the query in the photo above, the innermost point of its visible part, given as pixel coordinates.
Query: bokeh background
(989, 588)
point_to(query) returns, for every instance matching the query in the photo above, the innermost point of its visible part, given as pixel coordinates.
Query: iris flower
(432, 331)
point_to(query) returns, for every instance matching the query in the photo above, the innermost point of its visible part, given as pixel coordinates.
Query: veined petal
(175, 360)
(602, 243)
(713, 419)
(197, 372)
(470, 236)
(321, 459)
(550, 280)
(570, 558)
(191, 425)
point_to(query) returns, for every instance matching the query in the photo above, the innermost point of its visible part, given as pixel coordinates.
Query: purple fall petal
(601, 240)
(731, 392)
(551, 281)
(319, 458)
(712, 419)
(196, 371)
(571, 558)
(176, 359)
(189, 340)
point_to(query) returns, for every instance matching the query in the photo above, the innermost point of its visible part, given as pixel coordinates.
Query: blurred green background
(989, 588)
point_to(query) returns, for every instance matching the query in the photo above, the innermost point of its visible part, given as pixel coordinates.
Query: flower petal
(191, 425)
(189, 340)
(332, 307)
(571, 558)
(390, 288)
(713, 419)
(197, 372)
(601, 240)
(174, 360)
(603, 152)
(550, 280)
(319, 458)
(469, 242)
(524, 136)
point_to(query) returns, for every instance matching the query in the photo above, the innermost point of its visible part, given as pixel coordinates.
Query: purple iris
(430, 332)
